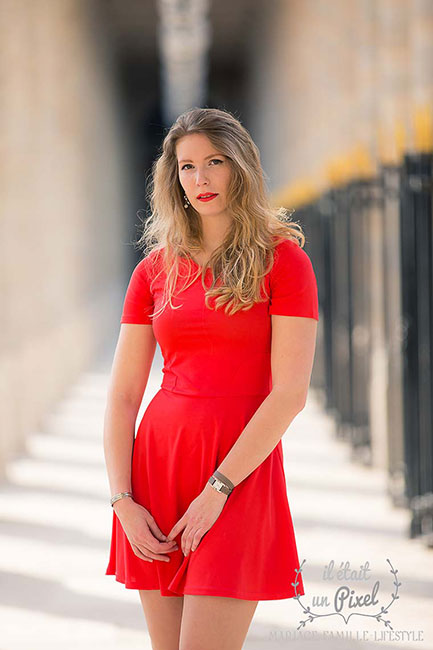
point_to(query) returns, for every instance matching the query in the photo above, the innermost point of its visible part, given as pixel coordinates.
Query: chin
(210, 213)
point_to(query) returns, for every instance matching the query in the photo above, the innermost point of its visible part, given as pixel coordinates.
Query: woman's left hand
(201, 515)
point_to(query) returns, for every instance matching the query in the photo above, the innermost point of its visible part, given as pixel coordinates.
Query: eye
(213, 160)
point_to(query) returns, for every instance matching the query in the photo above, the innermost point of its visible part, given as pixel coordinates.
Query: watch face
(218, 484)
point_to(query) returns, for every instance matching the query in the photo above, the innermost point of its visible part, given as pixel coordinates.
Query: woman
(199, 496)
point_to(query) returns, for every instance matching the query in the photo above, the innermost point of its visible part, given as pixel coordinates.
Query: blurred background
(338, 96)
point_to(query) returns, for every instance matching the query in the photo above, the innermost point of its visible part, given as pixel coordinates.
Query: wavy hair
(246, 255)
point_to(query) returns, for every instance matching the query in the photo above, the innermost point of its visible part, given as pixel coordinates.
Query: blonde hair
(247, 252)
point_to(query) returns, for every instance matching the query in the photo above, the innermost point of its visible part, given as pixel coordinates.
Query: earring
(187, 203)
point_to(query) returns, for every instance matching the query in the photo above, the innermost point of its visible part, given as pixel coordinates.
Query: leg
(163, 616)
(215, 623)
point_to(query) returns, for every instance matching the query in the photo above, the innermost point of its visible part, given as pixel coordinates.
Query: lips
(206, 197)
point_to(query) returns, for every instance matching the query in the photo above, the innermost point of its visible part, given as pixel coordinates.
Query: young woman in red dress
(201, 521)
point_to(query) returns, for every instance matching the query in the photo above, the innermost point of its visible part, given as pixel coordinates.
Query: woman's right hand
(142, 531)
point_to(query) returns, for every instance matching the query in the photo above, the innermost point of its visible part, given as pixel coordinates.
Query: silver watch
(219, 485)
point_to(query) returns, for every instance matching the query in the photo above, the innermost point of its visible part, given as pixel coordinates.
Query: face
(203, 170)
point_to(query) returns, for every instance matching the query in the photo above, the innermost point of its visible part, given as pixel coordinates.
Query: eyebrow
(211, 155)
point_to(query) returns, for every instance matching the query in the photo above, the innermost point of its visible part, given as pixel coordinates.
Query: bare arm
(132, 362)
(292, 356)
(129, 375)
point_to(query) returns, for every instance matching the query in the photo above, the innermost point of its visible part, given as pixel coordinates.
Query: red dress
(217, 371)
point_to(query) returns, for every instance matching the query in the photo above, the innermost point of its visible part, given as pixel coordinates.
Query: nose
(201, 178)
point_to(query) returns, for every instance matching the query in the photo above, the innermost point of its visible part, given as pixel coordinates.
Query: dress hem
(208, 591)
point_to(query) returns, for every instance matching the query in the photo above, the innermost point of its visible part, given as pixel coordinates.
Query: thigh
(163, 616)
(215, 623)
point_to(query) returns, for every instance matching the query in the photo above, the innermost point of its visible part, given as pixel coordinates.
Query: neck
(215, 229)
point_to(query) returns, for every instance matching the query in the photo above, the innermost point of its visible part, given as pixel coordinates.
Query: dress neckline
(193, 261)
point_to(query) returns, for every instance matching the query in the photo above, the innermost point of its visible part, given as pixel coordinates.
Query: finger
(141, 555)
(197, 539)
(167, 547)
(161, 547)
(154, 556)
(157, 548)
(156, 531)
(187, 540)
(180, 525)
(172, 534)
(172, 549)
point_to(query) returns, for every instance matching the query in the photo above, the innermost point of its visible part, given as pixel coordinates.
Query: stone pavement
(55, 521)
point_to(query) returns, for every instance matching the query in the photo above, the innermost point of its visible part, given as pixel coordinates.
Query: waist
(200, 394)
(171, 384)
(233, 378)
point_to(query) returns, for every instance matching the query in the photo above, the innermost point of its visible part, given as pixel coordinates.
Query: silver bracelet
(221, 483)
(120, 495)
(223, 478)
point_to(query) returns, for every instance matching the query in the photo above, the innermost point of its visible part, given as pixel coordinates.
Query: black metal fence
(417, 345)
(371, 243)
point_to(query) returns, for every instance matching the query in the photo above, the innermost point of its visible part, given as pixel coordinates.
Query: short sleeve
(293, 286)
(138, 302)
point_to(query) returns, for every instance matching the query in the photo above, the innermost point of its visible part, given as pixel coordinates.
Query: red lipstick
(206, 196)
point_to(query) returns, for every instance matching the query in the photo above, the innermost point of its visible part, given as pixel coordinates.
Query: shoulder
(290, 258)
(293, 286)
(143, 274)
(147, 266)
